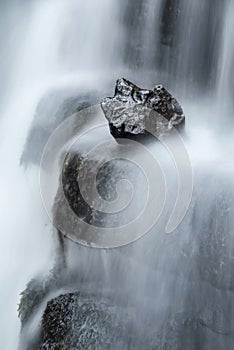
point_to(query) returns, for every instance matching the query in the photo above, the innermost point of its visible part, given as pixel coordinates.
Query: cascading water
(181, 285)
(226, 60)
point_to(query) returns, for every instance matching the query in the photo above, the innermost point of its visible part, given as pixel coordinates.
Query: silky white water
(51, 44)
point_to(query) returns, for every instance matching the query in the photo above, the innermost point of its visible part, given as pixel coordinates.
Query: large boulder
(131, 108)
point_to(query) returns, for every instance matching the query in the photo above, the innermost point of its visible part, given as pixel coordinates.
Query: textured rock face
(71, 321)
(131, 108)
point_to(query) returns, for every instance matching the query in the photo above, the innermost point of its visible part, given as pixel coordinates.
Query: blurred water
(186, 45)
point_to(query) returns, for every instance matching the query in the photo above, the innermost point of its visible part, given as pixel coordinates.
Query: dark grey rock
(72, 321)
(109, 174)
(129, 111)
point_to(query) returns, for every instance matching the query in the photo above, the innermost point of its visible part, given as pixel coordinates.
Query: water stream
(74, 47)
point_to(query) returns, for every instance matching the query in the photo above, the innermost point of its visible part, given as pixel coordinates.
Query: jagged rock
(130, 109)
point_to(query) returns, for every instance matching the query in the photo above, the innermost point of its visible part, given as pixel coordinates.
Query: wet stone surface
(131, 109)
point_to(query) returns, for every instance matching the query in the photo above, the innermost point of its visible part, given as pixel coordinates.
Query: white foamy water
(49, 44)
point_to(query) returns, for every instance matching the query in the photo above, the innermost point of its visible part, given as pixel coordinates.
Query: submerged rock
(53, 108)
(131, 108)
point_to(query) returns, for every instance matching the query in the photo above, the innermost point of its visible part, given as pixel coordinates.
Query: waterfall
(60, 48)
(226, 59)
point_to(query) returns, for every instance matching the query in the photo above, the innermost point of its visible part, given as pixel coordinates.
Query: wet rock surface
(53, 108)
(71, 321)
(108, 175)
(190, 279)
(76, 320)
(129, 112)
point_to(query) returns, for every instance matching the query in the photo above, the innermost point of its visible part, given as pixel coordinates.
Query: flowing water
(78, 46)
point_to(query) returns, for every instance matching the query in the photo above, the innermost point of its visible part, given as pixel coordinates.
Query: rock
(109, 174)
(31, 297)
(36, 291)
(72, 321)
(131, 107)
(53, 108)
